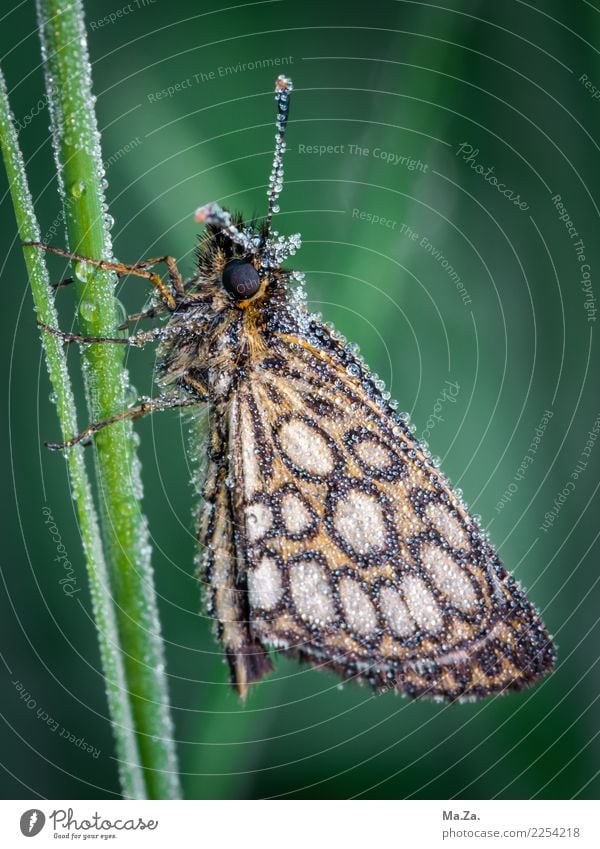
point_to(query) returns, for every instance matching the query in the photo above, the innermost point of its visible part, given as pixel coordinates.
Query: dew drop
(130, 395)
(78, 189)
(83, 271)
(88, 309)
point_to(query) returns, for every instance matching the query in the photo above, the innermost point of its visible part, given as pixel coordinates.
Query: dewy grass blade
(77, 151)
(132, 779)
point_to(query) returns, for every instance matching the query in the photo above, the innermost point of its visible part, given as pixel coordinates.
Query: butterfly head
(246, 258)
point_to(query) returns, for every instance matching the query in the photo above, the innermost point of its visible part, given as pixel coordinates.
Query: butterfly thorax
(216, 342)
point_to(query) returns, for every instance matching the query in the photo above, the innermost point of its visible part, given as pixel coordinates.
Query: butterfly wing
(356, 555)
(226, 602)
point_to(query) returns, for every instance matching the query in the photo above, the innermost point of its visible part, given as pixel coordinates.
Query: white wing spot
(296, 517)
(259, 520)
(449, 577)
(311, 592)
(447, 525)
(359, 521)
(421, 603)
(373, 454)
(305, 447)
(359, 610)
(264, 584)
(396, 612)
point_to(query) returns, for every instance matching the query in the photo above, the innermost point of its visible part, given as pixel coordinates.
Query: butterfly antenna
(283, 90)
(279, 248)
(213, 214)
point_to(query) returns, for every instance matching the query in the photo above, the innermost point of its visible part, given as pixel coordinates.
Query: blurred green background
(488, 296)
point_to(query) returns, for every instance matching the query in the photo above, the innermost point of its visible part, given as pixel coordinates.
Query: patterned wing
(226, 603)
(355, 553)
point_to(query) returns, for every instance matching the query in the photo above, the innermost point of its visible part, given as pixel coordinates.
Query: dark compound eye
(241, 279)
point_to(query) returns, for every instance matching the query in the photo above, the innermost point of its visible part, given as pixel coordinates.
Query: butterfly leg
(138, 340)
(62, 284)
(145, 406)
(140, 269)
(152, 312)
(174, 273)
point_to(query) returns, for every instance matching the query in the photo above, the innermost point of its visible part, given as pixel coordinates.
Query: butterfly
(327, 531)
